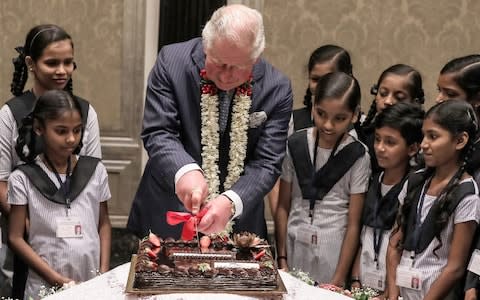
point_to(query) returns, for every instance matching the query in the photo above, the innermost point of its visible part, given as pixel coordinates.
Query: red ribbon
(188, 231)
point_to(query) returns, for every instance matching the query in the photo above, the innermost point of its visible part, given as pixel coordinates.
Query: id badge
(307, 234)
(409, 278)
(474, 264)
(69, 227)
(374, 278)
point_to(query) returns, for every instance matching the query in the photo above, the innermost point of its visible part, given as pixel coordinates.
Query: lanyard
(315, 152)
(377, 232)
(64, 186)
(418, 217)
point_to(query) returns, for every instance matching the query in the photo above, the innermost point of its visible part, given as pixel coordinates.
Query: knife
(196, 232)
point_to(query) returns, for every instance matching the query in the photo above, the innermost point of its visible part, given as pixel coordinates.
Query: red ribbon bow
(188, 231)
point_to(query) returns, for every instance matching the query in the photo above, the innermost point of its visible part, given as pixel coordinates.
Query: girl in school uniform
(323, 60)
(397, 83)
(323, 184)
(429, 248)
(398, 133)
(61, 194)
(47, 57)
(459, 79)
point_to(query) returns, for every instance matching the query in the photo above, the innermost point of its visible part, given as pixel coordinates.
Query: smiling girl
(429, 249)
(317, 224)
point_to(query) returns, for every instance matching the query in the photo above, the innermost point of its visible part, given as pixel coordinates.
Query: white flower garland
(210, 139)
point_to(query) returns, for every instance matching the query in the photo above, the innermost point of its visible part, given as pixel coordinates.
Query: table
(111, 285)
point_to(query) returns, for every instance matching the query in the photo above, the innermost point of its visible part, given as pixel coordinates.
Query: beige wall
(378, 33)
(96, 29)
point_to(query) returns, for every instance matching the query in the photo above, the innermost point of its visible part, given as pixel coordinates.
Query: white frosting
(235, 265)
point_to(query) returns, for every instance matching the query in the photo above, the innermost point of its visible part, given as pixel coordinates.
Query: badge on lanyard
(374, 278)
(409, 277)
(69, 227)
(308, 235)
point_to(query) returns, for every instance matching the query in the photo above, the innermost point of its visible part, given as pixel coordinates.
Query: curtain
(181, 20)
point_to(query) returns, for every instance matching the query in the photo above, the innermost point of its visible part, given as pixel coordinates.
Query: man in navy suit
(178, 134)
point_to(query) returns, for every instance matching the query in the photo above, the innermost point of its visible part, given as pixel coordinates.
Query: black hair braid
(26, 146)
(444, 199)
(20, 75)
(69, 86)
(406, 208)
(307, 99)
(443, 215)
(371, 114)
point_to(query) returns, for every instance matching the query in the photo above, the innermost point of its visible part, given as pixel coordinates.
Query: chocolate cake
(216, 263)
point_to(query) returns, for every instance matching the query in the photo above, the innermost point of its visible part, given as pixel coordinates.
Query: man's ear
(462, 140)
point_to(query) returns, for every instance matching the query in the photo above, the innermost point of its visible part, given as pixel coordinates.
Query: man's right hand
(192, 190)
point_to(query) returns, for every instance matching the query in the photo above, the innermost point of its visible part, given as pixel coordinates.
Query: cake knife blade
(198, 240)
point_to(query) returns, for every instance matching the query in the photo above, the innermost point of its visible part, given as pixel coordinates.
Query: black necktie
(225, 98)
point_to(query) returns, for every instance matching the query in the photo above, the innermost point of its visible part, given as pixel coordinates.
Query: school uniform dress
(367, 253)
(9, 158)
(318, 252)
(76, 258)
(430, 265)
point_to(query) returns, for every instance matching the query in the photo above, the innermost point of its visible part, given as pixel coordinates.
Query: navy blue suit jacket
(171, 136)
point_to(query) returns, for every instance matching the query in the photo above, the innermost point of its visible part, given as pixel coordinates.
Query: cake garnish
(204, 267)
(268, 264)
(245, 240)
(154, 239)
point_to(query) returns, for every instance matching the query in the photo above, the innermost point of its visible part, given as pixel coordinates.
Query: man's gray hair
(236, 23)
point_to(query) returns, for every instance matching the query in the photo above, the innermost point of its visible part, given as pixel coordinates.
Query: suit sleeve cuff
(185, 169)
(236, 201)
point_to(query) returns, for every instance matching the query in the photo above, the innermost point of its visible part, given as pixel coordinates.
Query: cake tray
(273, 294)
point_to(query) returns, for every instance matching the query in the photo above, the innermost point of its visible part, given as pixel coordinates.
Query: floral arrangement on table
(365, 293)
(210, 134)
(356, 293)
(48, 291)
(44, 291)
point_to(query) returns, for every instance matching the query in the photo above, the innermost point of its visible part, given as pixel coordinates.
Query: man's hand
(218, 214)
(192, 190)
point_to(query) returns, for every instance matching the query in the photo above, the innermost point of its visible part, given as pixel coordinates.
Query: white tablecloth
(111, 285)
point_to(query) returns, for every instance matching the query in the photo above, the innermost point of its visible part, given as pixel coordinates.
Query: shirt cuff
(236, 201)
(185, 169)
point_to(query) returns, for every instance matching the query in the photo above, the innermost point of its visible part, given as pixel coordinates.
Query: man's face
(228, 65)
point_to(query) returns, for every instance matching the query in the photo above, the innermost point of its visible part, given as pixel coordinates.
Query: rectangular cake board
(276, 293)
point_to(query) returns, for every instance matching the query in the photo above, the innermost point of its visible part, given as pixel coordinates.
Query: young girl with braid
(323, 60)
(398, 133)
(429, 248)
(459, 79)
(398, 83)
(323, 183)
(47, 56)
(64, 197)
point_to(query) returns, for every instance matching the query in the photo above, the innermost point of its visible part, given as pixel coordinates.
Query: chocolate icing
(198, 272)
